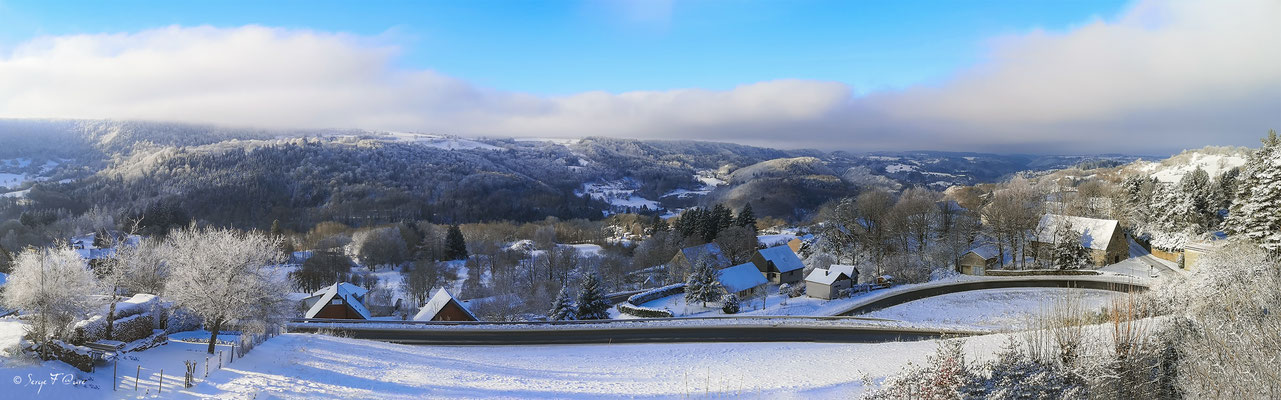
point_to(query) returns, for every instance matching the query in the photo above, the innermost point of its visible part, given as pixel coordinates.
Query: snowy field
(992, 308)
(301, 366)
(775, 304)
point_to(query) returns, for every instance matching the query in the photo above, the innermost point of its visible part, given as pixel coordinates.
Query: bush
(730, 305)
(181, 320)
(655, 294)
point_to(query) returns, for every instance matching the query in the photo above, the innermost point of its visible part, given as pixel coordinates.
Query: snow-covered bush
(730, 304)
(643, 312)
(181, 320)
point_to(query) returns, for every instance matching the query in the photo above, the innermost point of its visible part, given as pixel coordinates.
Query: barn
(443, 307)
(339, 301)
(779, 264)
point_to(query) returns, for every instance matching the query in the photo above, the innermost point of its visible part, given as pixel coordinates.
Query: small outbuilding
(828, 283)
(779, 264)
(443, 307)
(979, 259)
(339, 301)
(743, 280)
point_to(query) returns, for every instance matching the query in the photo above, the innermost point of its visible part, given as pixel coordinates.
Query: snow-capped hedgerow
(224, 275)
(54, 287)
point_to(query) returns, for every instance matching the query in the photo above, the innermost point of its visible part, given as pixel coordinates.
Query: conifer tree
(1256, 211)
(562, 308)
(591, 300)
(658, 224)
(703, 284)
(455, 245)
(746, 217)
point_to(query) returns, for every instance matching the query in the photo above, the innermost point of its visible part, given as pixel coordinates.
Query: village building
(979, 259)
(828, 283)
(744, 281)
(338, 301)
(779, 264)
(685, 260)
(1103, 238)
(443, 307)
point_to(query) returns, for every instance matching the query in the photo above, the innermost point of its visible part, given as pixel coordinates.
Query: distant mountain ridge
(306, 176)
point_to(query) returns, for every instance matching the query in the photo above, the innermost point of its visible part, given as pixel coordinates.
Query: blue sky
(569, 47)
(1042, 77)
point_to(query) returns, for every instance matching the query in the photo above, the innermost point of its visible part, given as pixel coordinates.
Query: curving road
(896, 296)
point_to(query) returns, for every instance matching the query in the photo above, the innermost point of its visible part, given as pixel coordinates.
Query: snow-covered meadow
(993, 308)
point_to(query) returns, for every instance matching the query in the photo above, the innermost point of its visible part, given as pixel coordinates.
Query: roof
(832, 274)
(709, 251)
(1095, 233)
(349, 288)
(438, 302)
(741, 277)
(784, 259)
(987, 251)
(342, 290)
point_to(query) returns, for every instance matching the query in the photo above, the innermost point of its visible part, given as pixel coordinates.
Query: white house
(828, 283)
(743, 280)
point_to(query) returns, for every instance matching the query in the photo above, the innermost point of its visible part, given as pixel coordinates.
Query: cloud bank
(1160, 77)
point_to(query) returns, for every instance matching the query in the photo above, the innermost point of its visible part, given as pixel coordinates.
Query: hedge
(643, 312)
(655, 294)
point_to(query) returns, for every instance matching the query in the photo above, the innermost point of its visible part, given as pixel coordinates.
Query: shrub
(730, 305)
(643, 312)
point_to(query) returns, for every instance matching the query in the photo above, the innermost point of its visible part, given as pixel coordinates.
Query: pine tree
(455, 245)
(658, 224)
(1196, 209)
(275, 229)
(1256, 211)
(562, 308)
(703, 284)
(1069, 252)
(591, 300)
(746, 217)
(100, 239)
(6, 261)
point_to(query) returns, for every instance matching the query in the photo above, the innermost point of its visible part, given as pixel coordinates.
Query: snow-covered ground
(775, 304)
(302, 366)
(992, 308)
(620, 194)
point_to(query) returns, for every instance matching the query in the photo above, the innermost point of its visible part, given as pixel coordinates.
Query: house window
(336, 302)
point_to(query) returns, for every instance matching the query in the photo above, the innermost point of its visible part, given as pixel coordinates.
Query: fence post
(114, 365)
(219, 359)
(161, 386)
(136, 374)
(206, 366)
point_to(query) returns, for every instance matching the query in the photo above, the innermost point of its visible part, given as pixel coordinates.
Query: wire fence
(130, 373)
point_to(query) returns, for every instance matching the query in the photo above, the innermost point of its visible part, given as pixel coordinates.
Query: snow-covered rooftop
(783, 258)
(439, 301)
(989, 251)
(831, 275)
(710, 251)
(741, 277)
(1095, 233)
(349, 293)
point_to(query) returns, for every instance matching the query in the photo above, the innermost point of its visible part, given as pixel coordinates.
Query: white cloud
(1162, 76)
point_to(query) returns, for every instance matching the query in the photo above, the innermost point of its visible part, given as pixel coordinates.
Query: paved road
(895, 296)
(619, 334)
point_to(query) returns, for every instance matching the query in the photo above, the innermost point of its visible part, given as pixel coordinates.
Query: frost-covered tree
(54, 287)
(227, 276)
(1256, 211)
(703, 284)
(380, 246)
(591, 299)
(1068, 251)
(563, 307)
